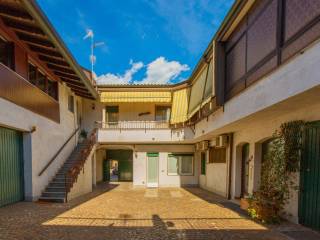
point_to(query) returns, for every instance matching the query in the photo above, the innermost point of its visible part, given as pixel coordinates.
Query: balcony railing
(128, 125)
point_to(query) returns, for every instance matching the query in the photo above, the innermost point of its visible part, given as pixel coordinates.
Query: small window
(181, 164)
(53, 89)
(71, 103)
(32, 74)
(112, 115)
(163, 113)
(203, 163)
(42, 81)
(7, 53)
(217, 155)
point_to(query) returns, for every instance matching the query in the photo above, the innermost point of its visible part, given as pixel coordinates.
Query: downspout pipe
(230, 164)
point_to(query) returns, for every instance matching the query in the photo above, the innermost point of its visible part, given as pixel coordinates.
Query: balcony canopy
(136, 97)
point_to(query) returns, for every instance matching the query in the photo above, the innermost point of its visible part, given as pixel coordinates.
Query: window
(203, 163)
(53, 89)
(7, 53)
(32, 74)
(71, 103)
(163, 113)
(112, 114)
(180, 164)
(217, 155)
(41, 81)
(270, 33)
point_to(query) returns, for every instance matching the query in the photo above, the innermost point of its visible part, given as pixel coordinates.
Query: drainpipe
(230, 164)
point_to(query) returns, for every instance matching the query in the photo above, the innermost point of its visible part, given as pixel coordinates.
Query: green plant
(292, 135)
(83, 134)
(277, 180)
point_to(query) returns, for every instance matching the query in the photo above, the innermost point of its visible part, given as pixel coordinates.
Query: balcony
(138, 132)
(18, 90)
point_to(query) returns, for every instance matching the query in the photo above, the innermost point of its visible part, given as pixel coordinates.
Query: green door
(152, 169)
(309, 199)
(245, 170)
(11, 167)
(125, 163)
(106, 170)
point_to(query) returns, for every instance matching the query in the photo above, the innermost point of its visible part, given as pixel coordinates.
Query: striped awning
(179, 112)
(142, 96)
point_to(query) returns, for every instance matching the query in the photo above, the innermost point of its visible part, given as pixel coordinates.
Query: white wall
(140, 165)
(44, 142)
(100, 156)
(84, 181)
(255, 133)
(154, 136)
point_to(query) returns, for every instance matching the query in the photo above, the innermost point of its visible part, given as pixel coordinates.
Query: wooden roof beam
(45, 51)
(68, 80)
(53, 60)
(36, 40)
(20, 26)
(60, 69)
(6, 10)
(67, 76)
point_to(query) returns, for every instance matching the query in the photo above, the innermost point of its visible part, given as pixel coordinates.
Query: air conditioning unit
(221, 141)
(202, 146)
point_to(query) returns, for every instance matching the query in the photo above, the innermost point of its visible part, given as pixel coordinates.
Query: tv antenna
(93, 45)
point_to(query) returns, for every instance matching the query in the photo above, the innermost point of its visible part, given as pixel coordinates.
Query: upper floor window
(163, 113)
(268, 35)
(40, 80)
(6, 53)
(112, 114)
(71, 103)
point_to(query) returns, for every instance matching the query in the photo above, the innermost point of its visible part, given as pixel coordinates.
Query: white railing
(127, 125)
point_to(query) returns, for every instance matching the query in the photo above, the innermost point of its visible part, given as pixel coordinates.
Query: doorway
(152, 169)
(244, 170)
(118, 165)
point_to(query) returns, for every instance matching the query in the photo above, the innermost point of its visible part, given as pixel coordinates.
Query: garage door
(309, 209)
(11, 166)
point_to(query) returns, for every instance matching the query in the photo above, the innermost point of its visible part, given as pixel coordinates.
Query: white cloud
(159, 71)
(126, 78)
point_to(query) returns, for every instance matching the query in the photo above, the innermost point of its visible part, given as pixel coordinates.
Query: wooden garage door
(11, 166)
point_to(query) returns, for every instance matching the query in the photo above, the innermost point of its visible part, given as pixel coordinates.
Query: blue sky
(146, 41)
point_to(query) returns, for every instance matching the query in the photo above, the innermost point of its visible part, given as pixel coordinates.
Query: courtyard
(120, 211)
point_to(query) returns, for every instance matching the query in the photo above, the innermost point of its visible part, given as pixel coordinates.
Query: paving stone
(120, 211)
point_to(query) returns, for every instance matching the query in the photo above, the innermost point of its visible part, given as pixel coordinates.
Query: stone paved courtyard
(122, 212)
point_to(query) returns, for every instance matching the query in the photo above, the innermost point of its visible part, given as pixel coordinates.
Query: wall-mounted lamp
(93, 106)
(33, 129)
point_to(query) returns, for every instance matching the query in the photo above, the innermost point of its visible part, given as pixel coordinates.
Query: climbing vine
(282, 159)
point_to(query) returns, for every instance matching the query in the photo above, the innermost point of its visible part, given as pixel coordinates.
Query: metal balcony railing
(129, 125)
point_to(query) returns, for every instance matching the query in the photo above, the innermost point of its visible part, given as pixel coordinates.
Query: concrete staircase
(56, 190)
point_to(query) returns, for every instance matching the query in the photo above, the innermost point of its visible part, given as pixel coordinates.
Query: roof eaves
(35, 10)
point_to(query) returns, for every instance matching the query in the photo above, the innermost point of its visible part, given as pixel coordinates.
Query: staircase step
(53, 194)
(55, 189)
(52, 199)
(57, 184)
